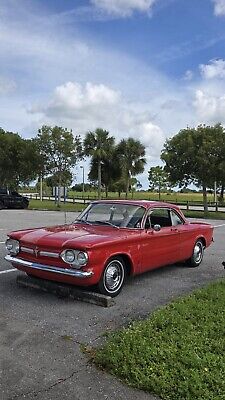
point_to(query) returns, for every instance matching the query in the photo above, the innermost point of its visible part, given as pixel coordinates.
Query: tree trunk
(127, 185)
(222, 192)
(59, 190)
(99, 179)
(159, 192)
(41, 187)
(59, 194)
(205, 199)
(106, 191)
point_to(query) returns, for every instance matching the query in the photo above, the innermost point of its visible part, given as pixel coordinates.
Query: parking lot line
(8, 270)
(218, 226)
(2, 242)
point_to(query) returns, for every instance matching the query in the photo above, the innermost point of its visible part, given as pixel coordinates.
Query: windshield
(117, 215)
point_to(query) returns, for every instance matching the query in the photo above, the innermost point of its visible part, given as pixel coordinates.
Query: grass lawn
(178, 353)
(51, 206)
(179, 197)
(200, 214)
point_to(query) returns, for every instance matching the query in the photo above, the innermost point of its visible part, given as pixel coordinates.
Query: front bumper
(48, 268)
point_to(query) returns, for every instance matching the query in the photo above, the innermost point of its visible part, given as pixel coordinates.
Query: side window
(160, 216)
(175, 218)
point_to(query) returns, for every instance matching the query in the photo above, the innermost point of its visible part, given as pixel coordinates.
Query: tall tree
(99, 146)
(132, 156)
(196, 155)
(110, 170)
(19, 159)
(60, 150)
(158, 179)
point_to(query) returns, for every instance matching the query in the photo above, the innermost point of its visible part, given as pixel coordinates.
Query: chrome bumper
(48, 268)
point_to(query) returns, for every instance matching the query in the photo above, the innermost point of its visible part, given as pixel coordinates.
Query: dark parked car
(10, 199)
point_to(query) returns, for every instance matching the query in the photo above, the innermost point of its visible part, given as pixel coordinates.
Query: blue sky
(140, 68)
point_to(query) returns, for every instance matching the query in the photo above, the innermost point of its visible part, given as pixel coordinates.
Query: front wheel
(197, 255)
(113, 277)
(24, 205)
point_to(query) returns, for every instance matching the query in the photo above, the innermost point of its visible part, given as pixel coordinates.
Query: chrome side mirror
(157, 227)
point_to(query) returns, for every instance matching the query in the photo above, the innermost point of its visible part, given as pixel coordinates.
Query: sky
(137, 68)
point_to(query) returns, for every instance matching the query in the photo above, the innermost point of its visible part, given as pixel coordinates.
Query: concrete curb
(64, 290)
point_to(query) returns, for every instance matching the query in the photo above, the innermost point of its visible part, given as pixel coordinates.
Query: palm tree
(132, 156)
(110, 170)
(98, 145)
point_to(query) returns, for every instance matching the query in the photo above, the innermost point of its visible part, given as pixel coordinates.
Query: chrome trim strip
(49, 268)
(48, 254)
(26, 250)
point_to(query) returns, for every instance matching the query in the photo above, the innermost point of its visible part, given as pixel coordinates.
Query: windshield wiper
(107, 223)
(83, 221)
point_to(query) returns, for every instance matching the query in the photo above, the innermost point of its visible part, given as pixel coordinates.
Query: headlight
(13, 246)
(75, 258)
(82, 258)
(69, 256)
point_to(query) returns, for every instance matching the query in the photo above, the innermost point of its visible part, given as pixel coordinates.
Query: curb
(64, 290)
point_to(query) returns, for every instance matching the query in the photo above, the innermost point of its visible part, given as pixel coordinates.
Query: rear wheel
(113, 277)
(1, 205)
(197, 255)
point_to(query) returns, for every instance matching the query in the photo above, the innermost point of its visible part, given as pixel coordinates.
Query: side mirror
(157, 227)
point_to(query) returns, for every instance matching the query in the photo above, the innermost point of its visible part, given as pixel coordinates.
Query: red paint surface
(144, 249)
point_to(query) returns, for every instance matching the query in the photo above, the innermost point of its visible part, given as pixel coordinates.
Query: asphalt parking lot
(41, 335)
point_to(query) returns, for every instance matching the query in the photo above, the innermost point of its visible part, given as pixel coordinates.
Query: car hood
(82, 236)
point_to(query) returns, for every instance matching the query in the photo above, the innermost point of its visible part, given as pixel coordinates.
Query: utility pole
(82, 167)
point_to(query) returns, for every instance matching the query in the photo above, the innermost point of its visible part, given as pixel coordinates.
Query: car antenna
(65, 216)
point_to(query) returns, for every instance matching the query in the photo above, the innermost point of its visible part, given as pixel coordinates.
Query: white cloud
(210, 108)
(215, 69)
(124, 8)
(75, 96)
(86, 107)
(219, 7)
(153, 137)
(72, 100)
(209, 93)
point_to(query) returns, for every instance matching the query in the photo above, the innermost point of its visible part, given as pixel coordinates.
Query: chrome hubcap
(198, 253)
(114, 275)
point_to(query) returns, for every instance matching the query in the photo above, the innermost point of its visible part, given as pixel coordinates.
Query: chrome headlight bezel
(12, 246)
(79, 260)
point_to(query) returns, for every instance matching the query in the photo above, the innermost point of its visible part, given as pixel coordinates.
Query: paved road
(40, 334)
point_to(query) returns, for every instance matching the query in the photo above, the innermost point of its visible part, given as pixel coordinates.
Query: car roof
(142, 203)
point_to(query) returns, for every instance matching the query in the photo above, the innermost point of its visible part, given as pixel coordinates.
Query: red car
(108, 241)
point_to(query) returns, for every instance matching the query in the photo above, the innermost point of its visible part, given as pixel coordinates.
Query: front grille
(37, 252)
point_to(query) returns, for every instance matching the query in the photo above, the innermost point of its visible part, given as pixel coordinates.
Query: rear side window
(160, 216)
(176, 219)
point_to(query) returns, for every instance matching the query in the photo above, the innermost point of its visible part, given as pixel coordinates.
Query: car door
(160, 240)
(16, 200)
(186, 236)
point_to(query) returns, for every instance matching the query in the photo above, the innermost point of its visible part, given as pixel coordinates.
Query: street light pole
(41, 188)
(82, 167)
